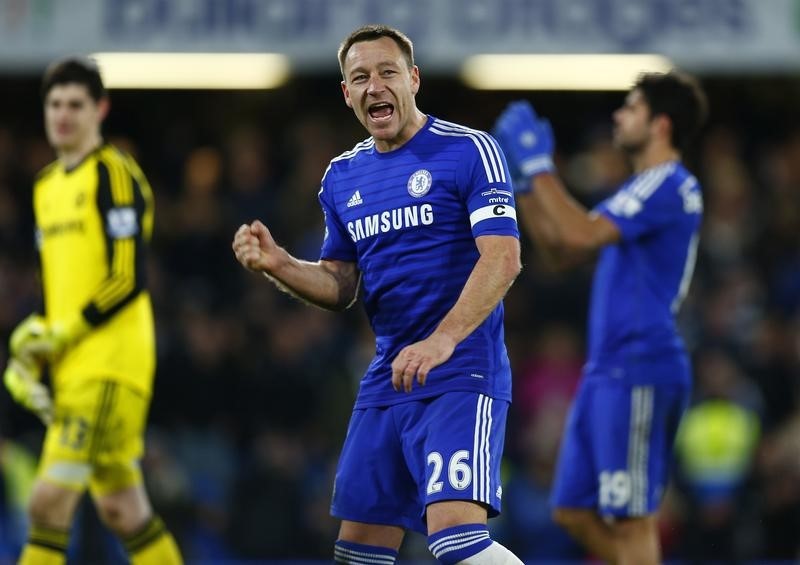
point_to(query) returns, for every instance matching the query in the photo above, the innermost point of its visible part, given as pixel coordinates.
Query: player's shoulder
(46, 172)
(115, 158)
(681, 176)
(471, 145)
(678, 181)
(359, 150)
(452, 132)
(113, 155)
(677, 173)
(664, 177)
(344, 160)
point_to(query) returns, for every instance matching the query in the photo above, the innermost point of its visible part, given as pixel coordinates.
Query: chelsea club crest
(419, 183)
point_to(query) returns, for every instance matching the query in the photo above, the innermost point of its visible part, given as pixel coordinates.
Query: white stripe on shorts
(639, 447)
(481, 455)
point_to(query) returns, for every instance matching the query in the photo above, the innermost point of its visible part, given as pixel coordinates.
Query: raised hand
(527, 141)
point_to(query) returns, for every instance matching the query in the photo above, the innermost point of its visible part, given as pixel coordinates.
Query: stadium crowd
(253, 389)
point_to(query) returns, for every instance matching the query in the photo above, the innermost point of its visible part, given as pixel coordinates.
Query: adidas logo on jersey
(355, 200)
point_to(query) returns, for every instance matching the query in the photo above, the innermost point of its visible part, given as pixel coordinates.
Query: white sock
(495, 554)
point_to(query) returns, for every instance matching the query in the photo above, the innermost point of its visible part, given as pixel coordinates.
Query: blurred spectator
(714, 452)
(549, 376)
(17, 473)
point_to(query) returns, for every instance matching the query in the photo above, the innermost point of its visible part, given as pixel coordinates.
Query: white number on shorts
(460, 474)
(458, 471)
(434, 484)
(615, 488)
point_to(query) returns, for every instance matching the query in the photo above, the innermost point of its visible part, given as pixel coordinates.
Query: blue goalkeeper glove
(527, 142)
(23, 381)
(36, 340)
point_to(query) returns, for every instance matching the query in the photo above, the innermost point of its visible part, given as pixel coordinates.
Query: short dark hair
(678, 96)
(376, 31)
(80, 70)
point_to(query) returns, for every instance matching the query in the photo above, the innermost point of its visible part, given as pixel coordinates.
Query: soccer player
(421, 215)
(94, 217)
(614, 459)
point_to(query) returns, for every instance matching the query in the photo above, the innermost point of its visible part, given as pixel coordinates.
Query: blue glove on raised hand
(527, 142)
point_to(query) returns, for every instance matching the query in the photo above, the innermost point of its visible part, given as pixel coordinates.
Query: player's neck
(652, 155)
(410, 130)
(70, 157)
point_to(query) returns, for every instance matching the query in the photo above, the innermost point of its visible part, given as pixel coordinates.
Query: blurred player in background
(614, 460)
(422, 214)
(94, 217)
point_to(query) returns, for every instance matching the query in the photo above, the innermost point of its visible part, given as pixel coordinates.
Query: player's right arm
(328, 284)
(571, 234)
(564, 230)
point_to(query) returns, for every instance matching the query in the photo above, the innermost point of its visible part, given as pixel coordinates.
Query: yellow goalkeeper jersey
(94, 222)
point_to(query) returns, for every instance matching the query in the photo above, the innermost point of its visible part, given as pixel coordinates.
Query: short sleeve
(645, 205)
(336, 243)
(485, 185)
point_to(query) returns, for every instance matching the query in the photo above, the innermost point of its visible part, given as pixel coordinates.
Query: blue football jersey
(409, 218)
(639, 283)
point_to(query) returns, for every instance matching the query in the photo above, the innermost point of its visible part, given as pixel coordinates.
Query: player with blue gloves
(615, 455)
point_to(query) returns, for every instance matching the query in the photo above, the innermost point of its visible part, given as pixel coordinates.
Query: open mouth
(380, 111)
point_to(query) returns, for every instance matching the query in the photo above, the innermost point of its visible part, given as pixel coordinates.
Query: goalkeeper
(94, 217)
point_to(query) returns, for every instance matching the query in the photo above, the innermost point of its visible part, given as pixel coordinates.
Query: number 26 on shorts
(459, 473)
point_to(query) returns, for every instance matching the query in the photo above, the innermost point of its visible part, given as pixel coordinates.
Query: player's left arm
(498, 266)
(484, 184)
(494, 272)
(125, 204)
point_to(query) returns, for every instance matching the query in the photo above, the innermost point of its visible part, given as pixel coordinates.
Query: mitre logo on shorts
(419, 183)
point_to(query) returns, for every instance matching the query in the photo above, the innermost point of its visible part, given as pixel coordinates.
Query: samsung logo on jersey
(390, 220)
(60, 229)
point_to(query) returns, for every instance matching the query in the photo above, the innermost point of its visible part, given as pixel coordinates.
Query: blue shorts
(398, 459)
(617, 447)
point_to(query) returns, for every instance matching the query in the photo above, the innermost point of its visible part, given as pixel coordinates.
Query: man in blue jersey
(615, 456)
(421, 215)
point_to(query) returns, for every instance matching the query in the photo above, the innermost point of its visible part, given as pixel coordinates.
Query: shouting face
(380, 86)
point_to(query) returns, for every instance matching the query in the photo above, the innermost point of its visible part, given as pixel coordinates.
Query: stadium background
(254, 390)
